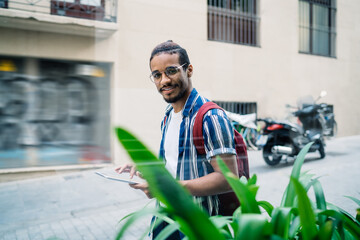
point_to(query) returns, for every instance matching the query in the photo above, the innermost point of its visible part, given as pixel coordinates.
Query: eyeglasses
(170, 71)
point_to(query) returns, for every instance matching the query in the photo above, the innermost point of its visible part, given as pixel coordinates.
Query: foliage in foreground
(297, 217)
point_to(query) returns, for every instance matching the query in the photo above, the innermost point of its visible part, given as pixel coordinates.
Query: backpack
(228, 201)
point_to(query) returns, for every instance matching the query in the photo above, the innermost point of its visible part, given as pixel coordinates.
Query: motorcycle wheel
(322, 150)
(269, 157)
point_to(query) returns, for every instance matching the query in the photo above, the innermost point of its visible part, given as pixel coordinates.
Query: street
(338, 172)
(83, 205)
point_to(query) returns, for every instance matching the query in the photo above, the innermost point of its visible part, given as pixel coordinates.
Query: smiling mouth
(167, 88)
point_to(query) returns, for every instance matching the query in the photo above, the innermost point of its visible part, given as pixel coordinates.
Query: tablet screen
(123, 177)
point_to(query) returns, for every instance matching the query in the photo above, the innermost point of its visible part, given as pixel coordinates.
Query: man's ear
(189, 71)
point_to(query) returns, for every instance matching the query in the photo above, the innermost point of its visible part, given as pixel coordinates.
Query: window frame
(331, 28)
(233, 21)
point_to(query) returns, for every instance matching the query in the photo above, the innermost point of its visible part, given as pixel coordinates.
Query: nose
(164, 77)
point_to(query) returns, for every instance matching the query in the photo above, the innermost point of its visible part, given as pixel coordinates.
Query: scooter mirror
(323, 93)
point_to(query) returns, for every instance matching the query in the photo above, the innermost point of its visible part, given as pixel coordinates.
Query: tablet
(120, 177)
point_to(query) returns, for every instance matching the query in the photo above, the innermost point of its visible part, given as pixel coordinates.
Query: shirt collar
(189, 105)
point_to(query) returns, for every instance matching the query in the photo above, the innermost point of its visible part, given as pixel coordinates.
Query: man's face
(177, 86)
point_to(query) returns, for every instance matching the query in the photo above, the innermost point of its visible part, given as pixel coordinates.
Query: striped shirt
(218, 138)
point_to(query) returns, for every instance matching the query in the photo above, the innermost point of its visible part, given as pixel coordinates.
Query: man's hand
(131, 169)
(215, 182)
(143, 187)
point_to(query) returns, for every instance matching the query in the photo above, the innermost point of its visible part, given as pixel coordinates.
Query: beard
(176, 98)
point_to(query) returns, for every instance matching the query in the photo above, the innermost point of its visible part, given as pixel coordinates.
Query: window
(233, 21)
(3, 3)
(238, 107)
(317, 29)
(90, 9)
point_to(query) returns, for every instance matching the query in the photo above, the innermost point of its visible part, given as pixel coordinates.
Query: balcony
(96, 18)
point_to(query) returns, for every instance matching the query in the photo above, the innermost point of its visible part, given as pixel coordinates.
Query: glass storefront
(53, 112)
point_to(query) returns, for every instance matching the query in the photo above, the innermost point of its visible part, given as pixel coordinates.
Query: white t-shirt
(171, 144)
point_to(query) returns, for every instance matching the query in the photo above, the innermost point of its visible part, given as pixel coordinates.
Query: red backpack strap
(228, 201)
(198, 126)
(241, 155)
(240, 146)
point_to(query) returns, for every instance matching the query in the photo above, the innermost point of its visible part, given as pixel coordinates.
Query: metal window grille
(101, 10)
(79, 8)
(233, 21)
(317, 27)
(238, 107)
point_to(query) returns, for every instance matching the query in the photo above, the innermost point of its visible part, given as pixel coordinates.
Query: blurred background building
(71, 70)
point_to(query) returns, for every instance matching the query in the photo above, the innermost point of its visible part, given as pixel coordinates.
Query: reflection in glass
(54, 118)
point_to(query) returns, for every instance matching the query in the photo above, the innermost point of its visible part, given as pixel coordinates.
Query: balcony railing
(101, 10)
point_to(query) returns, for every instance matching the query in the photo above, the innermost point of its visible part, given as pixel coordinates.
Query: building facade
(90, 60)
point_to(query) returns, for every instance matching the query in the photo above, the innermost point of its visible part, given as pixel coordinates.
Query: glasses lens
(155, 76)
(171, 70)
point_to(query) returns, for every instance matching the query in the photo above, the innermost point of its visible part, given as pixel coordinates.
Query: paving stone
(22, 234)
(8, 235)
(34, 232)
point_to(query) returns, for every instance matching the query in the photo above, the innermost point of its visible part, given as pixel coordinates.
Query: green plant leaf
(297, 220)
(138, 152)
(306, 213)
(223, 223)
(348, 222)
(220, 221)
(280, 220)
(167, 231)
(289, 194)
(252, 227)
(295, 173)
(320, 200)
(266, 206)
(336, 235)
(160, 213)
(252, 180)
(357, 201)
(244, 180)
(275, 237)
(306, 179)
(165, 188)
(326, 231)
(131, 218)
(294, 227)
(237, 212)
(339, 209)
(235, 226)
(244, 193)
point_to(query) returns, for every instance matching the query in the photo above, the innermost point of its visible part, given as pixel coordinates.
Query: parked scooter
(286, 139)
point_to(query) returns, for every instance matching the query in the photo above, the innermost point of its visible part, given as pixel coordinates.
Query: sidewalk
(83, 205)
(79, 205)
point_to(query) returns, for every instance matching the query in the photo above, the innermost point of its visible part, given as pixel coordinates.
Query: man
(171, 73)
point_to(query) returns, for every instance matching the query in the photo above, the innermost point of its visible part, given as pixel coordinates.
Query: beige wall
(17, 42)
(273, 74)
